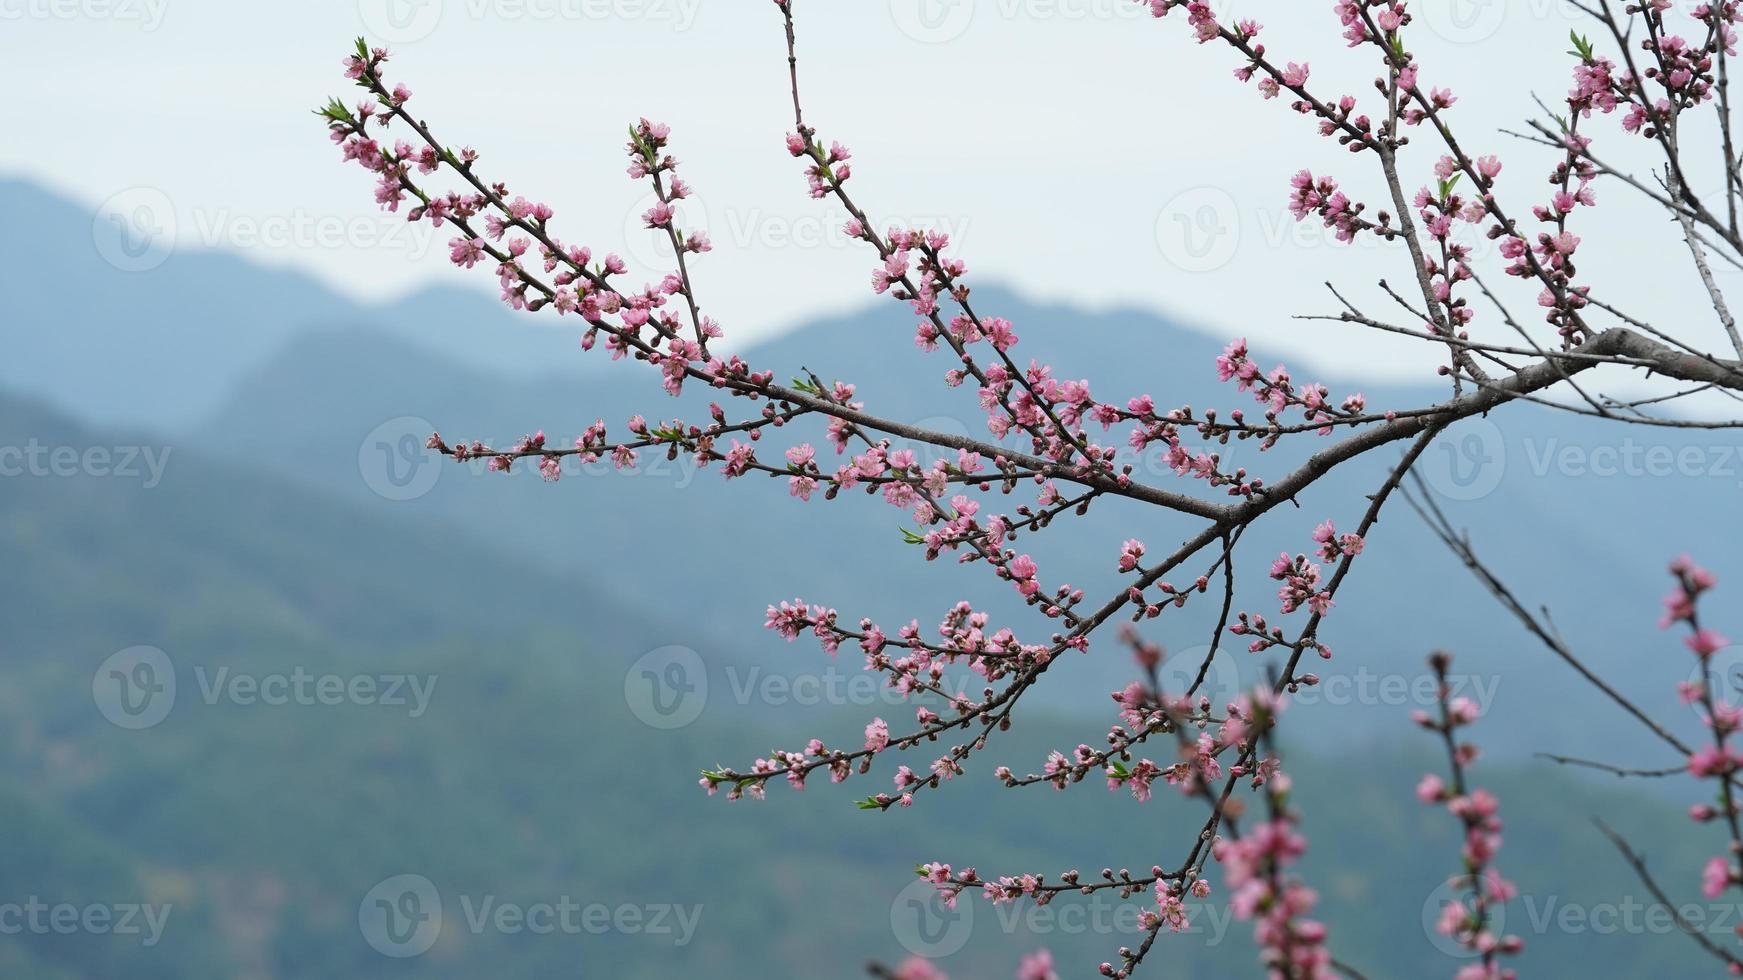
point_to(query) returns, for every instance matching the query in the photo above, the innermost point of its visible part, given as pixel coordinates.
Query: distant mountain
(721, 551)
(134, 324)
(176, 514)
(265, 368)
(533, 774)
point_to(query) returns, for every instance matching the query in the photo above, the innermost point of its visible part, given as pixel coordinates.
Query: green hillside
(526, 780)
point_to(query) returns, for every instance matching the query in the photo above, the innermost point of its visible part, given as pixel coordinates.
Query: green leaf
(1582, 46)
(869, 803)
(334, 110)
(909, 537)
(644, 149)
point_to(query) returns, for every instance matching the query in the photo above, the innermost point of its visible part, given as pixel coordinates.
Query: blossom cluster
(1720, 759)
(1480, 887)
(1041, 450)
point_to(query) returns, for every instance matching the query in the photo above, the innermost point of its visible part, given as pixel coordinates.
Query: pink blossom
(877, 735)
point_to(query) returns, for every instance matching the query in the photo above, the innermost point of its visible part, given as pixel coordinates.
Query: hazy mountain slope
(150, 330)
(320, 566)
(529, 777)
(724, 550)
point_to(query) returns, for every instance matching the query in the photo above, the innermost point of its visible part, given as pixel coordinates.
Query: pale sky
(1078, 150)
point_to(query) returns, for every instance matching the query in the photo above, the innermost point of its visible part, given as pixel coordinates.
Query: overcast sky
(1077, 149)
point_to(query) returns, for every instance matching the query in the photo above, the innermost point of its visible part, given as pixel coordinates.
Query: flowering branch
(1467, 921)
(965, 681)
